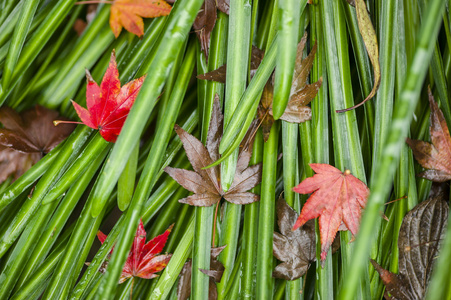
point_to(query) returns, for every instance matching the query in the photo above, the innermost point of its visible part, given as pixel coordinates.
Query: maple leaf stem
(387, 203)
(94, 2)
(57, 122)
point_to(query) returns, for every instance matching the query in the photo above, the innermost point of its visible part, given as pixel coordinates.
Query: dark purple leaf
(296, 249)
(421, 233)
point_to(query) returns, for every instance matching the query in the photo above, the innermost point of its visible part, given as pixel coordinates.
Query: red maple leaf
(109, 104)
(142, 260)
(338, 199)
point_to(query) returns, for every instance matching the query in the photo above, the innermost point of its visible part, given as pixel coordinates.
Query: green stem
(236, 79)
(250, 230)
(39, 39)
(69, 267)
(265, 282)
(26, 180)
(403, 112)
(39, 280)
(347, 149)
(18, 39)
(175, 265)
(289, 14)
(179, 23)
(147, 179)
(66, 155)
(59, 220)
(236, 130)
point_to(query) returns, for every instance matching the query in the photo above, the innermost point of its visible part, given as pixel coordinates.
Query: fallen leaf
(80, 24)
(224, 6)
(184, 285)
(129, 14)
(338, 199)
(109, 104)
(143, 260)
(215, 274)
(420, 236)
(204, 23)
(295, 248)
(14, 163)
(206, 183)
(370, 40)
(219, 74)
(206, 19)
(435, 156)
(25, 138)
(301, 93)
(32, 131)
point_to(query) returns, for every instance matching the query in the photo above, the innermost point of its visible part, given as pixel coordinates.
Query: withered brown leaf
(224, 6)
(435, 156)
(215, 274)
(206, 183)
(369, 38)
(206, 19)
(204, 23)
(25, 138)
(301, 94)
(14, 163)
(33, 130)
(421, 233)
(296, 249)
(219, 74)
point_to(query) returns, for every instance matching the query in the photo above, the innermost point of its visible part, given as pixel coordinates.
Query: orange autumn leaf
(338, 199)
(129, 14)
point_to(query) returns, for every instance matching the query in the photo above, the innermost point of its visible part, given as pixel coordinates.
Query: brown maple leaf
(206, 183)
(80, 24)
(215, 274)
(219, 75)
(420, 236)
(435, 156)
(25, 138)
(295, 248)
(338, 199)
(129, 14)
(206, 19)
(301, 93)
(14, 163)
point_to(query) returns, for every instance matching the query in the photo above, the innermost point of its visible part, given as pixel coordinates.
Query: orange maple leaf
(338, 199)
(129, 14)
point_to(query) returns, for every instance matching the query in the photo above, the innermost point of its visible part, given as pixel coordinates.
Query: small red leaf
(109, 104)
(143, 260)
